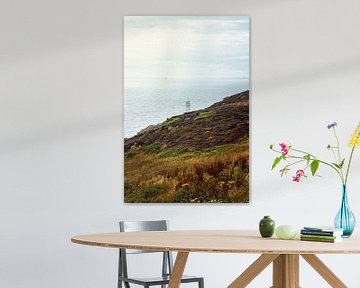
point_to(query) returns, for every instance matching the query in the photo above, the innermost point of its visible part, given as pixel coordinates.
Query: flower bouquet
(292, 157)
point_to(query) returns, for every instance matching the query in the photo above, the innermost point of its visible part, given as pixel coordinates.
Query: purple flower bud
(332, 125)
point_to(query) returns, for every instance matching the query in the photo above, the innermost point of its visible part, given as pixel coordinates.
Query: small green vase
(267, 227)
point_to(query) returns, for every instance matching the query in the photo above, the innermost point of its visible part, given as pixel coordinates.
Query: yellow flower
(355, 137)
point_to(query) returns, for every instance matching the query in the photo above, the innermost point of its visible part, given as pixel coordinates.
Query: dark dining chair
(167, 260)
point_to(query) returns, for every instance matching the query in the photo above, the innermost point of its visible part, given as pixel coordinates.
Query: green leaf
(342, 163)
(276, 161)
(336, 165)
(314, 166)
(307, 157)
(271, 146)
(339, 166)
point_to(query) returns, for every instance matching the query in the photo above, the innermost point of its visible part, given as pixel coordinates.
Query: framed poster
(186, 109)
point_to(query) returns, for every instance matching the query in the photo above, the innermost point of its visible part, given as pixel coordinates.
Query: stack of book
(321, 234)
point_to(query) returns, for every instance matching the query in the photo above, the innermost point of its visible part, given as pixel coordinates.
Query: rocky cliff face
(224, 122)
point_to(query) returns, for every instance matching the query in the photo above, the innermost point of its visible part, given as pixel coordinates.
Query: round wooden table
(284, 254)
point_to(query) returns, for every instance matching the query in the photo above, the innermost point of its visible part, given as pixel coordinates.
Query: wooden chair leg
(324, 271)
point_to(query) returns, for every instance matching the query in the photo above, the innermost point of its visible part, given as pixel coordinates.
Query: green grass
(161, 175)
(171, 121)
(204, 115)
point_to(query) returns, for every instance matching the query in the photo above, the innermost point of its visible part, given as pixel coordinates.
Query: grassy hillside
(200, 156)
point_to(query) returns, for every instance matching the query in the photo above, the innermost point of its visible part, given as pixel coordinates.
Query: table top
(217, 241)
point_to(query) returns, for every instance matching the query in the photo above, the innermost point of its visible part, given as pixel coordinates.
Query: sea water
(152, 101)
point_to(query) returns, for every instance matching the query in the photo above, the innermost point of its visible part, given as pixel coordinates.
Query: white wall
(61, 132)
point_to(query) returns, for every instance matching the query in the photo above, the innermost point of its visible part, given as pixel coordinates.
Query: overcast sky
(186, 47)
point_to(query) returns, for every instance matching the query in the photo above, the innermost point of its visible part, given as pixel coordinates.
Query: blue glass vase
(345, 219)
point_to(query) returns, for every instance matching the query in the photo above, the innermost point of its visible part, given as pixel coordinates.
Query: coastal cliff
(198, 156)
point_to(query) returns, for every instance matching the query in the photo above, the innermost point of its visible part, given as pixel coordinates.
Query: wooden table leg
(178, 270)
(293, 264)
(253, 270)
(324, 271)
(286, 271)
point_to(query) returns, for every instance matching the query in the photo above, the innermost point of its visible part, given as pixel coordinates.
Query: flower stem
(313, 158)
(348, 167)
(338, 171)
(304, 152)
(339, 156)
(320, 161)
(338, 145)
(333, 152)
(296, 162)
(350, 159)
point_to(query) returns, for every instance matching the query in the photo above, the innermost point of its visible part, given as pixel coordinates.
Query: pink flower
(300, 174)
(284, 148)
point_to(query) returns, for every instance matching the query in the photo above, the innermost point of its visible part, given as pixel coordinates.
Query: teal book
(323, 229)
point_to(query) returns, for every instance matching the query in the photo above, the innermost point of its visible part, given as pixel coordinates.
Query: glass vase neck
(344, 195)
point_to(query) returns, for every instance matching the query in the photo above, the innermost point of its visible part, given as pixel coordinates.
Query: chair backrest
(136, 226)
(133, 226)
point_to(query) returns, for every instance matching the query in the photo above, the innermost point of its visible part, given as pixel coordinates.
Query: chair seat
(158, 280)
